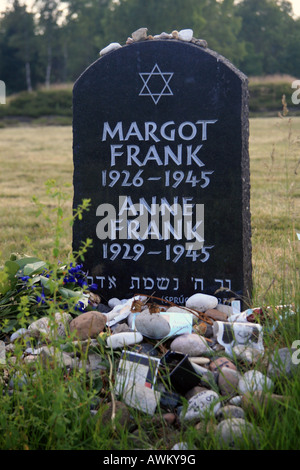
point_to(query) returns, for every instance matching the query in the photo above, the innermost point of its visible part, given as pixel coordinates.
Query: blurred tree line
(55, 41)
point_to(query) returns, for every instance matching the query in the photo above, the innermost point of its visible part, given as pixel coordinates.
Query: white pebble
(120, 340)
(186, 35)
(253, 381)
(33, 351)
(202, 302)
(201, 361)
(180, 446)
(111, 47)
(18, 334)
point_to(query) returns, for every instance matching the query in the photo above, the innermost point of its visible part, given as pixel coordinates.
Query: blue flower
(46, 273)
(76, 269)
(40, 299)
(69, 279)
(79, 306)
(93, 287)
(81, 282)
(25, 278)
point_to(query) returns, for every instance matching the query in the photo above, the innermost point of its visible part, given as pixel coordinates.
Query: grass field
(31, 155)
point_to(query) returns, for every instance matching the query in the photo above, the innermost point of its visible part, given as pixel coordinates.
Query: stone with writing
(160, 148)
(199, 405)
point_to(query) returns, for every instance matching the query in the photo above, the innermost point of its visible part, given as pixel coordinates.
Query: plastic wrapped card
(180, 323)
(238, 333)
(135, 380)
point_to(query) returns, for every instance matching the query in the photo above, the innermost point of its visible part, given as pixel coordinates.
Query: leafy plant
(33, 282)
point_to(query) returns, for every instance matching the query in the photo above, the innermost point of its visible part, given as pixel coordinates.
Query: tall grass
(275, 210)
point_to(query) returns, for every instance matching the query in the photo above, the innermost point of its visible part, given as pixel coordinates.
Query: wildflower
(40, 299)
(81, 282)
(79, 306)
(75, 275)
(76, 269)
(69, 279)
(45, 273)
(64, 306)
(25, 278)
(93, 287)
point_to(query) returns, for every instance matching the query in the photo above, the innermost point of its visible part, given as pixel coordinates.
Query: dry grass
(275, 204)
(276, 78)
(31, 155)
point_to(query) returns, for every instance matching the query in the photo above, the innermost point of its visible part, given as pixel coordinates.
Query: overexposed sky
(4, 3)
(296, 6)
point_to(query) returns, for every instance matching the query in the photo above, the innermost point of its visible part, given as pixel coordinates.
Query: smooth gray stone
(254, 380)
(191, 344)
(228, 381)
(236, 401)
(113, 302)
(152, 325)
(230, 411)
(281, 363)
(102, 308)
(232, 431)
(18, 334)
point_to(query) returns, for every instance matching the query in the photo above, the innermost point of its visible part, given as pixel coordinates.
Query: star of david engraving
(156, 84)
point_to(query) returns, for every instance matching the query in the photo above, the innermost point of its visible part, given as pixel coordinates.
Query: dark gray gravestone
(160, 141)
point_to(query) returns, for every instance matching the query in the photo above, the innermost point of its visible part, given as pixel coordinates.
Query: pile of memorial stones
(225, 385)
(141, 34)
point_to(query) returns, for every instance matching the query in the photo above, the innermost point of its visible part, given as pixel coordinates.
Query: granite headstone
(160, 146)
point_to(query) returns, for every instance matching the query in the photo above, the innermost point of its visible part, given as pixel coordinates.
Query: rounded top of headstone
(177, 39)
